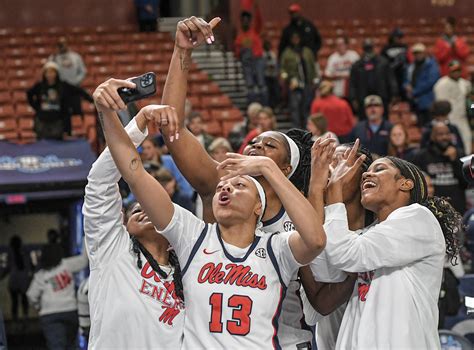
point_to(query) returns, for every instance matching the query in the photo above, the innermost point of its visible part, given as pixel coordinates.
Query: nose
(257, 145)
(227, 188)
(365, 175)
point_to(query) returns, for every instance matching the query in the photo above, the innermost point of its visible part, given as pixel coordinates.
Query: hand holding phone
(145, 87)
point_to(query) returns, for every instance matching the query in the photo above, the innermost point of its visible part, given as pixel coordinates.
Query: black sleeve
(76, 90)
(318, 41)
(284, 41)
(34, 96)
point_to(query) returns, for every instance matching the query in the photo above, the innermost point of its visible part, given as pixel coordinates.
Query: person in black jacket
(371, 75)
(309, 34)
(440, 160)
(395, 51)
(52, 99)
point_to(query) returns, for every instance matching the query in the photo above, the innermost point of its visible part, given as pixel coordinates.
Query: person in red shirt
(249, 50)
(336, 110)
(451, 47)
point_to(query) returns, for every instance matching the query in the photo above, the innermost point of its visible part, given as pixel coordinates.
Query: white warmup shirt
(327, 327)
(293, 329)
(233, 295)
(71, 67)
(395, 302)
(52, 291)
(130, 308)
(340, 64)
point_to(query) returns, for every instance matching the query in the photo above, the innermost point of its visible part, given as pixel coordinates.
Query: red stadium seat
(6, 111)
(227, 127)
(19, 97)
(25, 123)
(24, 110)
(8, 124)
(5, 97)
(9, 136)
(220, 101)
(213, 127)
(198, 77)
(232, 114)
(205, 89)
(27, 136)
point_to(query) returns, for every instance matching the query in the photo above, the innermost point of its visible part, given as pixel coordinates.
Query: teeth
(369, 184)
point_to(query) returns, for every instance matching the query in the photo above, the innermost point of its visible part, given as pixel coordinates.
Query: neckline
(230, 256)
(274, 219)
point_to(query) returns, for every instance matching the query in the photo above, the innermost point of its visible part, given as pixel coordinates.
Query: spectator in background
(52, 292)
(371, 75)
(420, 78)
(266, 122)
(53, 101)
(196, 126)
(451, 47)
(147, 15)
(240, 130)
(297, 69)
(455, 89)
(20, 269)
(395, 51)
(271, 74)
(336, 110)
(153, 160)
(71, 66)
(374, 132)
(166, 179)
(439, 113)
(308, 33)
(318, 126)
(219, 148)
(339, 65)
(440, 160)
(399, 143)
(249, 50)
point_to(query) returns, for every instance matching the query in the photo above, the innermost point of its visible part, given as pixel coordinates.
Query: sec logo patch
(288, 226)
(261, 253)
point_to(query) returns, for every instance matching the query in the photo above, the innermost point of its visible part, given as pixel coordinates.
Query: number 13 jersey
(233, 296)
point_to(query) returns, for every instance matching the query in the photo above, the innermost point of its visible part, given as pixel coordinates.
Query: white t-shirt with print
(233, 296)
(338, 64)
(130, 308)
(395, 302)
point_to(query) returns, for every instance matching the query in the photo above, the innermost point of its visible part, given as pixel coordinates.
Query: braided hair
(138, 248)
(448, 218)
(302, 174)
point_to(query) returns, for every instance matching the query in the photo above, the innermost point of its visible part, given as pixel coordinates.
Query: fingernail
(171, 138)
(209, 41)
(195, 42)
(177, 135)
(212, 37)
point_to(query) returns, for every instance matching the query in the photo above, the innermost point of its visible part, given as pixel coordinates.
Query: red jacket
(445, 53)
(251, 39)
(338, 113)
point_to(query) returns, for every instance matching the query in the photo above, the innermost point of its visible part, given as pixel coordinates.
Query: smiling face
(138, 224)
(398, 137)
(236, 200)
(273, 145)
(383, 189)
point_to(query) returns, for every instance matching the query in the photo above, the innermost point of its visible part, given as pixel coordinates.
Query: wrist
(141, 121)
(267, 167)
(182, 51)
(334, 194)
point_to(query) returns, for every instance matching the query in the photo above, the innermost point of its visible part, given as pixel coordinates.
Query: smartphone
(145, 87)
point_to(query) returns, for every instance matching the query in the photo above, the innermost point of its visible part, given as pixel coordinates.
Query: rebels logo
(364, 280)
(288, 226)
(238, 275)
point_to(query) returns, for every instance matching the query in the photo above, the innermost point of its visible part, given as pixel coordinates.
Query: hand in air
(163, 116)
(193, 31)
(347, 167)
(106, 95)
(238, 164)
(322, 154)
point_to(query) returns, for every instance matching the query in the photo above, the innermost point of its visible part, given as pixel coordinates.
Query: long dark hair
(137, 247)
(51, 256)
(302, 174)
(449, 219)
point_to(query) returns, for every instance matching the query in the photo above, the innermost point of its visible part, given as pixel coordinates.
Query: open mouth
(224, 198)
(368, 185)
(253, 153)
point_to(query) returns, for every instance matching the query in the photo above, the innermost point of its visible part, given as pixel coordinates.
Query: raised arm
(145, 188)
(310, 239)
(191, 158)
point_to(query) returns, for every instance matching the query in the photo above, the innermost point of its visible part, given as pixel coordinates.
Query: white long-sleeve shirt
(394, 303)
(52, 291)
(130, 308)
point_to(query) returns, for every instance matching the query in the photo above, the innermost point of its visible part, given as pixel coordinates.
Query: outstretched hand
(347, 167)
(106, 94)
(322, 153)
(163, 115)
(193, 31)
(238, 164)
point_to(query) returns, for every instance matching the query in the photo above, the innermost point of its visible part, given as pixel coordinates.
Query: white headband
(261, 194)
(294, 155)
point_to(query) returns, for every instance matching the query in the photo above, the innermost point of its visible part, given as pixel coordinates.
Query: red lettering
(239, 275)
(148, 272)
(168, 315)
(144, 287)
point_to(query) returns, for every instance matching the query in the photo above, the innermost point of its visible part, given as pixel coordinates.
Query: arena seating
(107, 52)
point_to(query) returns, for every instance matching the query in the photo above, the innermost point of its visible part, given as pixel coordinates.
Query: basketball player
(135, 289)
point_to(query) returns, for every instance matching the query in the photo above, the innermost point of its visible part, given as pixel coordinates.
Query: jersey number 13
(240, 323)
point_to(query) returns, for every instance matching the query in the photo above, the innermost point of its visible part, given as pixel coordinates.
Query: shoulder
(413, 213)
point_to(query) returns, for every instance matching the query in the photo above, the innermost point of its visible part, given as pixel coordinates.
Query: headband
(294, 155)
(261, 194)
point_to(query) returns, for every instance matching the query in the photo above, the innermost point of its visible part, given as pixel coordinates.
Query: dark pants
(15, 296)
(299, 101)
(49, 129)
(60, 330)
(273, 87)
(148, 25)
(253, 70)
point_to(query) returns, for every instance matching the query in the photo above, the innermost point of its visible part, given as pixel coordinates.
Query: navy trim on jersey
(276, 317)
(229, 256)
(195, 249)
(275, 218)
